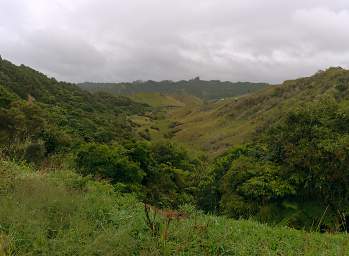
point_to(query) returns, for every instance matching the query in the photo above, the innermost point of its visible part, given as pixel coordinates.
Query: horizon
(168, 80)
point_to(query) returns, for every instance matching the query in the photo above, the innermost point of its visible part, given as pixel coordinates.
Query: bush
(109, 162)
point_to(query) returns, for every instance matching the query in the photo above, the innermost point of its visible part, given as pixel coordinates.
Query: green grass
(61, 213)
(157, 100)
(202, 126)
(157, 123)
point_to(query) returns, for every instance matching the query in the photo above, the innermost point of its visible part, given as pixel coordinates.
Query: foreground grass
(61, 213)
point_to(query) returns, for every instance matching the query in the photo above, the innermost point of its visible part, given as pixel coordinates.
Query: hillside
(205, 90)
(57, 212)
(215, 125)
(61, 107)
(44, 122)
(218, 125)
(157, 100)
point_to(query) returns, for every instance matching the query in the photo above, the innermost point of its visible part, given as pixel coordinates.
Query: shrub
(109, 162)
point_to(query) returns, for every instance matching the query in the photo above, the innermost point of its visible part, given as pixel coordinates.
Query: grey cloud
(115, 40)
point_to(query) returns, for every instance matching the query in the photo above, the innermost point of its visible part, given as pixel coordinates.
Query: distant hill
(206, 90)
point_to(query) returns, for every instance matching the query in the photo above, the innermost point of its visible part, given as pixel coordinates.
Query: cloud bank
(117, 40)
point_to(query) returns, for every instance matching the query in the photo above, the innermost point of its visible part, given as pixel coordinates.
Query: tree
(109, 162)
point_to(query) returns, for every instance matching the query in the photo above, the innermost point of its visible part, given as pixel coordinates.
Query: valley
(160, 128)
(269, 160)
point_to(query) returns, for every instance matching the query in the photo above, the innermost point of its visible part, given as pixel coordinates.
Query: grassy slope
(157, 123)
(157, 100)
(217, 125)
(61, 213)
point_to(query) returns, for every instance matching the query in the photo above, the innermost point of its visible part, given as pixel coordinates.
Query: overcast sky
(126, 40)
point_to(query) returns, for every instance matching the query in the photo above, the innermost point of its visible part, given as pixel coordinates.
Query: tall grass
(62, 213)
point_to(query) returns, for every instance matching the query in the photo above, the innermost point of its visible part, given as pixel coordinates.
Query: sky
(126, 40)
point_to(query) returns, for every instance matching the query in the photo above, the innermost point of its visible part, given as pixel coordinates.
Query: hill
(57, 212)
(217, 125)
(61, 108)
(205, 90)
(44, 122)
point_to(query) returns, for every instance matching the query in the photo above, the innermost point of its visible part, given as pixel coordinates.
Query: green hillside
(206, 90)
(32, 102)
(44, 122)
(57, 212)
(218, 125)
(157, 100)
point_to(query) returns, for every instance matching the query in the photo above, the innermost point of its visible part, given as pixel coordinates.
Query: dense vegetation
(44, 121)
(206, 90)
(58, 212)
(162, 173)
(290, 169)
(293, 170)
(295, 173)
(63, 106)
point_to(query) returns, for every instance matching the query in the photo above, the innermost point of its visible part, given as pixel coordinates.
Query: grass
(157, 124)
(62, 213)
(201, 126)
(157, 99)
